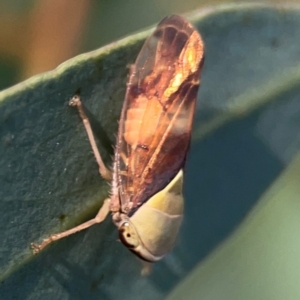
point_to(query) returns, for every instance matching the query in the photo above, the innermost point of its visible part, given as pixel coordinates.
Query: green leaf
(246, 133)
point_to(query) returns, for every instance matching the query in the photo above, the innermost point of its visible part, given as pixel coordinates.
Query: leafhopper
(146, 200)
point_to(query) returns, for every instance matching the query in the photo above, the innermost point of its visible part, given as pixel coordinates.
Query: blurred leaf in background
(37, 35)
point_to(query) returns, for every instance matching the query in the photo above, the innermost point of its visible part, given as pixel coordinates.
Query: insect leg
(105, 173)
(103, 212)
(124, 158)
(146, 268)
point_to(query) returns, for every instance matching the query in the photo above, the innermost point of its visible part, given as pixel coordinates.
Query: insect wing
(156, 120)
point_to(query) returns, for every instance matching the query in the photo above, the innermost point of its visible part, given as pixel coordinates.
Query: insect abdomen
(158, 220)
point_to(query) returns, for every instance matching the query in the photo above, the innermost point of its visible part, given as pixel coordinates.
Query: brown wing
(156, 121)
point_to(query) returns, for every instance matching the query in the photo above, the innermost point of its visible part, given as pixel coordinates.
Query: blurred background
(38, 35)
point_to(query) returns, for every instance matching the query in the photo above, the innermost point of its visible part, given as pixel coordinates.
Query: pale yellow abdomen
(157, 221)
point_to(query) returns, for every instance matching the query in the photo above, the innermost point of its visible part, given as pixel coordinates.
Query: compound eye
(128, 236)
